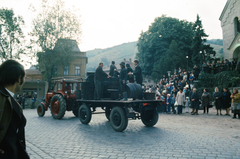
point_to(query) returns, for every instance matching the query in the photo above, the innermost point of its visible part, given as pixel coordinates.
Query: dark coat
(130, 77)
(205, 99)
(99, 74)
(195, 103)
(123, 74)
(12, 123)
(138, 74)
(218, 102)
(112, 67)
(226, 100)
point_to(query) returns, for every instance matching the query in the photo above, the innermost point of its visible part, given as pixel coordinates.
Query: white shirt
(11, 93)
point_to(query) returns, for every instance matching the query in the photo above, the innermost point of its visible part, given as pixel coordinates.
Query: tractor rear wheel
(84, 114)
(118, 119)
(149, 117)
(58, 106)
(40, 110)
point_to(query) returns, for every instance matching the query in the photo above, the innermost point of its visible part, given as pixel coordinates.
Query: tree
(154, 43)
(174, 58)
(200, 51)
(11, 35)
(54, 22)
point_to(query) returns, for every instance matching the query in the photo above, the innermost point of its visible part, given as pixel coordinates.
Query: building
(230, 23)
(77, 66)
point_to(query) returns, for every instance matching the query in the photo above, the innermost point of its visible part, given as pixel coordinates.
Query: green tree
(154, 43)
(11, 35)
(174, 58)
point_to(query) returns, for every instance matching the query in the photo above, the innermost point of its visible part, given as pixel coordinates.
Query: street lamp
(187, 62)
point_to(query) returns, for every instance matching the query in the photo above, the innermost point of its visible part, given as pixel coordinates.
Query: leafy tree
(11, 35)
(200, 52)
(54, 22)
(174, 58)
(154, 43)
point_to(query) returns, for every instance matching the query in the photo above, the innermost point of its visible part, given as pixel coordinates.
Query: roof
(32, 71)
(63, 43)
(224, 9)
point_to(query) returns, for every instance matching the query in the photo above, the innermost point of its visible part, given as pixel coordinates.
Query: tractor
(62, 97)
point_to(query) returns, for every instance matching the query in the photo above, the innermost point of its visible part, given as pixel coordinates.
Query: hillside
(116, 53)
(129, 50)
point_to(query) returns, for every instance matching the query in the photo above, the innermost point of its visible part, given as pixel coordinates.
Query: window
(54, 67)
(66, 70)
(236, 25)
(77, 70)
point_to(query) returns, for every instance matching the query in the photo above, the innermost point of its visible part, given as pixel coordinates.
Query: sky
(107, 23)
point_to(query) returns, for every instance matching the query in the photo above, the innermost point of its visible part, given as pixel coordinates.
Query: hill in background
(128, 51)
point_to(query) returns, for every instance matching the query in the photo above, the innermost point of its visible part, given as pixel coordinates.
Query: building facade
(230, 23)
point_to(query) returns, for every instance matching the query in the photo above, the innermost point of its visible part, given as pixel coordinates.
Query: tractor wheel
(84, 114)
(75, 110)
(149, 117)
(107, 113)
(118, 119)
(58, 106)
(40, 110)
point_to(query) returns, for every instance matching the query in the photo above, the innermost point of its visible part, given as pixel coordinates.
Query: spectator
(164, 101)
(180, 99)
(174, 91)
(238, 67)
(20, 99)
(226, 100)
(168, 103)
(235, 103)
(191, 78)
(205, 100)
(217, 96)
(234, 64)
(33, 102)
(172, 103)
(195, 102)
(185, 76)
(196, 72)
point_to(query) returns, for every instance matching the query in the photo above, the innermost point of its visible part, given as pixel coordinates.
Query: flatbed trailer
(118, 112)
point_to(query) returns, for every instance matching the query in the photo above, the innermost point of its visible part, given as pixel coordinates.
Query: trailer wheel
(149, 117)
(118, 119)
(84, 114)
(40, 110)
(58, 106)
(107, 113)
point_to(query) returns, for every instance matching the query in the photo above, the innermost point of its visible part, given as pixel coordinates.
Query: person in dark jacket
(137, 73)
(130, 77)
(205, 100)
(12, 120)
(217, 96)
(112, 68)
(123, 80)
(226, 100)
(99, 77)
(195, 101)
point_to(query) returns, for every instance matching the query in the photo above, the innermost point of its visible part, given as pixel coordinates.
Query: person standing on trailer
(137, 72)
(99, 77)
(123, 80)
(112, 68)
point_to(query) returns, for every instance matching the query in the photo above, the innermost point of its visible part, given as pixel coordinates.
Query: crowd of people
(178, 91)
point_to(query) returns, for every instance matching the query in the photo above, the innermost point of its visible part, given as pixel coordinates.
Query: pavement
(203, 136)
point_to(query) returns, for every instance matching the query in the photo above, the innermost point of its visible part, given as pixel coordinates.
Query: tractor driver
(99, 77)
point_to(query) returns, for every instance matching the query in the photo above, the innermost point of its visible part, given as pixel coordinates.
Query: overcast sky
(106, 23)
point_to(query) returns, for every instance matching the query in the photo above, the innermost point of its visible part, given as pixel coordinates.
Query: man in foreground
(12, 120)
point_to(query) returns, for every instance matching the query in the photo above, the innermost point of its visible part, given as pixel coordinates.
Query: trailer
(78, 96)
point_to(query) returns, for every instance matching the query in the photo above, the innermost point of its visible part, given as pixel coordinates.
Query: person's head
(168, 95)
(12, 73)
(205, 90)
(127, 65)
(180, 89)
(101, 64)
(194, 90)
(225, 89)
(113, 62)
(235, 90)
(122, 64)
(136, 62)
(216, 89)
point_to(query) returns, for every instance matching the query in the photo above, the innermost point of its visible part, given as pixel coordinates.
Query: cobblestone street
(174, 136)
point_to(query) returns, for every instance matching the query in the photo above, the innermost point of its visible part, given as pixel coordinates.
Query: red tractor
(62, 97)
